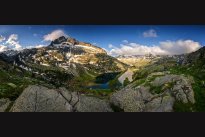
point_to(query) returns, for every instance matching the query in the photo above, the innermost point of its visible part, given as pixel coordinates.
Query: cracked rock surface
(181, 90)
(92, 104)
(41, 99)
(141, 98)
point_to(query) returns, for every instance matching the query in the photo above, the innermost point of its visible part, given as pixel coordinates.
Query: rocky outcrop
(162, 103)
(180, 88)
(194, 57)
(85, 44)
(141, 100)
(72, 41)
(157, 95)
(42, 99)
(59, 40)
(4, 103)
(144, 98)
(92, 104)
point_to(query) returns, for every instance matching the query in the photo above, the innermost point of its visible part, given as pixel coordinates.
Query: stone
(41, 99)
(4, 103)
(141, 99)
(92, 104)
(181, 90)
(160, 104)
(131, 100)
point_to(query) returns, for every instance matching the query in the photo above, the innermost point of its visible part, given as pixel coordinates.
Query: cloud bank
(54, 35)
(150, 33)
(13, 42)
(35, 46)
(164, 48)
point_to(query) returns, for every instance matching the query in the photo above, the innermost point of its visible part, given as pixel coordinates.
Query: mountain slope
(69, 53)
(195, 57)
(65, 61)
(175, 83)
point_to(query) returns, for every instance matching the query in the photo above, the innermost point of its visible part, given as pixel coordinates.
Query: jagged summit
(75, 44)
(59, 40)
(65, 40)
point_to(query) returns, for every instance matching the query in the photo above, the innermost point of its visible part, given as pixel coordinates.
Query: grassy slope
(13, 80)
(197, 71)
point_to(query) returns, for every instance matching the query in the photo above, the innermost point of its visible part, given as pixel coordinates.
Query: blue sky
(103, 35)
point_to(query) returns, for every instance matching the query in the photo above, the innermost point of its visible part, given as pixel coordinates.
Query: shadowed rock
(4, 103)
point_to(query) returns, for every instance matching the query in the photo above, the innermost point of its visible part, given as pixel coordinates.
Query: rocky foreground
(144, 98)
(42, 99)
(132, 98)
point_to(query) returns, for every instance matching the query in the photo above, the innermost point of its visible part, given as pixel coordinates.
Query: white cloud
(40, 46)
(164, 48)
(111, 46)
(136, 49)
(54, 35)
(3, 48)
(13, 42)
(36, 46)
(2, 38)
(12, 38)
(125, 41)
(180, 46)
(150, 33)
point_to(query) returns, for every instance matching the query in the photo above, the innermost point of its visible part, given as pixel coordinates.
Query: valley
(86, 78)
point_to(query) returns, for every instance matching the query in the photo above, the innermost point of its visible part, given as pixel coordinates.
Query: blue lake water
(99, 86)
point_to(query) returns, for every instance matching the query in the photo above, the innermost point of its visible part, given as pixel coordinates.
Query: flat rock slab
(42, 99)
(92, 104)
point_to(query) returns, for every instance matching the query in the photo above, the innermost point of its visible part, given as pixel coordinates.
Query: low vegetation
(197, 72)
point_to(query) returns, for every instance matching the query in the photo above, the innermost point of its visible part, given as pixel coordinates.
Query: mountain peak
(62, 41)
(72, 41)
(59, 40)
